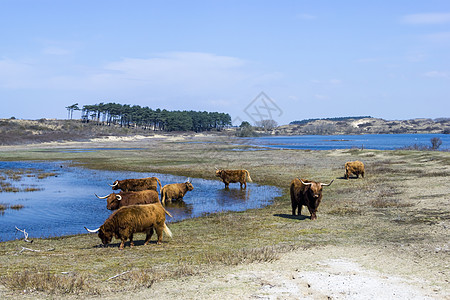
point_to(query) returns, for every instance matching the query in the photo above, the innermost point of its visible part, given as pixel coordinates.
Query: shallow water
(366, 141)
(66, 202)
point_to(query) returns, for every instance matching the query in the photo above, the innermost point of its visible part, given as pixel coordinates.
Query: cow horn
(118, 197)
(92, 231)
(305, 183)
(189, 179)
(101, 197)
(324, 184)
(114, 184)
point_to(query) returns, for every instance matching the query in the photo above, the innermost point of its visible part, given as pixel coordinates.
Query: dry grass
(44, 281)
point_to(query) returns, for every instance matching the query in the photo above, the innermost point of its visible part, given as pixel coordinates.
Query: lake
(63, 202)
(330, 142)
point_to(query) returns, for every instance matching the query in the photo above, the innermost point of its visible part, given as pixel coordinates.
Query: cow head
(105, 235)
(112, 201)
(189, 185)
(219, 173)
(115, 185)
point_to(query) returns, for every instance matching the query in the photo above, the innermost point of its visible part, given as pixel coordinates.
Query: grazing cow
(128, 220)
(308, 193)
(354, 167)
(128, 185)
(233, 176)
(116, 201)
(175, 191)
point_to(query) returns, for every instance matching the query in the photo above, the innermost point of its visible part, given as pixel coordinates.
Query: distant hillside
(363, 125)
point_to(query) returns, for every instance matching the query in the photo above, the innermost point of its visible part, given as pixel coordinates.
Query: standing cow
(175, 191)
(128, 220)
(233, 176)
(354, 167)
(128, 185)
(116, 201)
(307, 193)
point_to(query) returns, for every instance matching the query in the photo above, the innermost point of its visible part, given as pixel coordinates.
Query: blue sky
(311, 59)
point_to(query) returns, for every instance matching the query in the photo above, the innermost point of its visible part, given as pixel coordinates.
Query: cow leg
(131, 241)
(362, 174)
(159, 233)
(313, 214)
(149, 236)
(226, 184)
(294, 207)
(122, 244)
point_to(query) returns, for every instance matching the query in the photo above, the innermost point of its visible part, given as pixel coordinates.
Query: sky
(282, 60)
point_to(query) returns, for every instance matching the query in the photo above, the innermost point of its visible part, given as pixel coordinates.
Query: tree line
(159, 120)
(305, 121)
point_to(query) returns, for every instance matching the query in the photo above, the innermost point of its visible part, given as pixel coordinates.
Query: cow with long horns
(307, 193)
(116, 201)
(175, 191)
(128, 220)
(234, 176)
(128, 185)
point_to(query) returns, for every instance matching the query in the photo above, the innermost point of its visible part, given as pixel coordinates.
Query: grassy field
(401, 207)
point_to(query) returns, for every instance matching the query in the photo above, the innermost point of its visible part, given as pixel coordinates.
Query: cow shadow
(137, 243)
(291, 217)
(350, 177)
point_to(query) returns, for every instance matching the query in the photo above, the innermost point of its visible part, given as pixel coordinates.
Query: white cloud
(368, 60)
(303, 16)
(427, 18)
(335, 81)
(17, 74)
(437, 74)
(52, 50)
(438, 37)
(175, 80)
(321, 97)
(177, 71)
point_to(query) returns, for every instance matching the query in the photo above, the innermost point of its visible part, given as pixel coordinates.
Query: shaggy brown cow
(233, 176)
(129, 185)
(116, 201)
(308, 193)
(128, 220)
(354, 167)
(175, 191)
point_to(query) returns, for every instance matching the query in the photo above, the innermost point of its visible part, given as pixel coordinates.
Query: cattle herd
(138, 207)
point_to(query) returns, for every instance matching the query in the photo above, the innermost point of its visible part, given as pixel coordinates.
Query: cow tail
(163, 197)
(248, 175)
(168, 213)
(159, 182)
(167, 230)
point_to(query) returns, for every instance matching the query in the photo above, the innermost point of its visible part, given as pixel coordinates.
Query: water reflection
(65, 202)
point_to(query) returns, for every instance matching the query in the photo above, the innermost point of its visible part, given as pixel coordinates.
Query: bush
(435, 143)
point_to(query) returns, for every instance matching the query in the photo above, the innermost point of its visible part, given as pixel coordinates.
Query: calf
(175, 191)
(233, 176)
(354, 167)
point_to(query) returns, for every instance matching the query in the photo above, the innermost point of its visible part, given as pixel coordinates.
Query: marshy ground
(390, 228)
